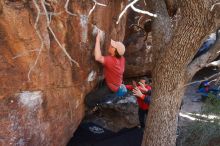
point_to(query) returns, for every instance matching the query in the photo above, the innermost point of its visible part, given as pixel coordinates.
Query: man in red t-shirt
(143, 94)
(114, 65)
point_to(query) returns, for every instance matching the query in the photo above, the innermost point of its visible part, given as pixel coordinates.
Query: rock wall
(138, 42)
(42, 92)
(115, 114)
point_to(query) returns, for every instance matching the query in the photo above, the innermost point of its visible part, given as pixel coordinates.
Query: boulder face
(138, 42)
(42, 92)
(115, 114)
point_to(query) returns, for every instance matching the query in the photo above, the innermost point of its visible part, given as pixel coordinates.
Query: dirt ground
(190, 105)
(196, 128)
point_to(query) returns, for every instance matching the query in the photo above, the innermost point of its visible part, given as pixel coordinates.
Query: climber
(143, 86)
(143, 94)
(205, 90)
(114, 65)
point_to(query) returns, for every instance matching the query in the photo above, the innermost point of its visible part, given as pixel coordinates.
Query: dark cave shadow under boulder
(90, 134)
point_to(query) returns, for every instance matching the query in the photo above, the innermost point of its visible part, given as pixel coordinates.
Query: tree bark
(161, 27)
(169, 73)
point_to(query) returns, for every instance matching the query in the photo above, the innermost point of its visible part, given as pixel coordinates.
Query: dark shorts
(98, 95)
(103, 94)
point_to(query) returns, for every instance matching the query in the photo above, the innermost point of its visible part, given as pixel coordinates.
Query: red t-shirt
(113, 71)
(140, 101)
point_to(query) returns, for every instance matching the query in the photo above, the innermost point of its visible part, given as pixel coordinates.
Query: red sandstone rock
(47, 109)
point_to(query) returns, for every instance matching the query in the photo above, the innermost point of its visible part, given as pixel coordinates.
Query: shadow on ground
(90, 134)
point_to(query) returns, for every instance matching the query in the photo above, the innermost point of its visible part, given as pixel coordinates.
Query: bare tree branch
(143, 12)
(100, 4)
(212, 78)
(93, 8)
(66, 9)
(39, 36)
(55, 37)
(90, 12)
(38, 55)
(138, 26)
(145, 3)
(214, 63)
(61, 46)
(45, 10)
(25, 53)
(135, 9)
(52, 13)
(38, 13)
(125, 9)
(214, 6)
(139, 20)
(48, 19)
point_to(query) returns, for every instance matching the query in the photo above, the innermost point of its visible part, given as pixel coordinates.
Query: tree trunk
(169, 73)
(161, 27)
